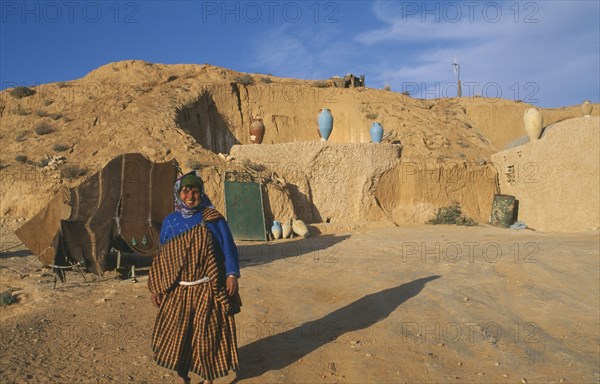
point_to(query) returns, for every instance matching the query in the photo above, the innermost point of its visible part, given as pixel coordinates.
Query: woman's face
(190, 195)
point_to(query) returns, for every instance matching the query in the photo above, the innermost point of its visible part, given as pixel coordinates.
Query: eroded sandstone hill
(194, 112)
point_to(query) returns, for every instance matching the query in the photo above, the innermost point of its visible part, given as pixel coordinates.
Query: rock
(300, 228)
(523, 380)
(496, 364)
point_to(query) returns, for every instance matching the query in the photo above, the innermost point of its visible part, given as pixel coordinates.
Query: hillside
(194, 112)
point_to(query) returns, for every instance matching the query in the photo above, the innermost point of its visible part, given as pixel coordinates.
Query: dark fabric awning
(128, 200)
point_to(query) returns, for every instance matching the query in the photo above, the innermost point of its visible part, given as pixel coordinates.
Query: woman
(193, 281)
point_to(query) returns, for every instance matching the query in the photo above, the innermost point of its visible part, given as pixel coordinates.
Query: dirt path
(410, 304)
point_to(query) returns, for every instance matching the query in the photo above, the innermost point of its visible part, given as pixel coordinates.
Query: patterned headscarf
(180, 205)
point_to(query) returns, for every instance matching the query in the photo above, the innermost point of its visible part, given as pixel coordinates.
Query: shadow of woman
(280, 350)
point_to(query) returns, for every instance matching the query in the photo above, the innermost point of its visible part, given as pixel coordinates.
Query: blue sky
(546, 53)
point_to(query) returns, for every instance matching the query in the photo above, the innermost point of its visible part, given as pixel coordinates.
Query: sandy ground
(426, 304)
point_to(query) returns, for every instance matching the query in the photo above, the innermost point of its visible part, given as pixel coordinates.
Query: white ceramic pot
(533, 123)
(586, 108)
(286, 229)
(300, 228)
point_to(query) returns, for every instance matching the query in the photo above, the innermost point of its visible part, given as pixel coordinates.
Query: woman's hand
(231, 285)
(156, 299)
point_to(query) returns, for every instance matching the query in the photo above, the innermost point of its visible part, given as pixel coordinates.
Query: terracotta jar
(257, 131)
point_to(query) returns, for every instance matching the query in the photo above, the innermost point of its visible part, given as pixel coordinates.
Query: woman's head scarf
(190, 179)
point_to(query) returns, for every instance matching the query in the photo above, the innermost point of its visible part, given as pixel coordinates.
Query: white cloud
(553, 58)
(281, 53)
(313, 52)
(553, 54)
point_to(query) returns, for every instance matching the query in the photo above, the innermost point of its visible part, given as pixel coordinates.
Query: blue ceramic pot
(325, 123)
(276, 230)
(376, 133)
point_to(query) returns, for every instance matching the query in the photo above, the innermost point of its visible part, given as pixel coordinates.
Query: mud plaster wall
(221, 116)
(556, 179)
(501, 121)
(338, 182)
(210, 126)
(414, 190)
(327, 182)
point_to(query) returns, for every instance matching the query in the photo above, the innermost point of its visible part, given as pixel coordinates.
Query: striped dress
(194, 330)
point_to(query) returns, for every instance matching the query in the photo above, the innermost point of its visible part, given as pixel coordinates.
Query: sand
(427, 304)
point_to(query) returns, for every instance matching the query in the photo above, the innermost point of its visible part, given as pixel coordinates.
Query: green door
(244, 209)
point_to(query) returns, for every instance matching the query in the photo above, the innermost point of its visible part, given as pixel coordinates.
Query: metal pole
(457, 71)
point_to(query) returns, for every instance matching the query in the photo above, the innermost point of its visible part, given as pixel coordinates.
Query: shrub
(21, 92)
(266, 80)
(20, 111)
(21, 136)
(41, 113)
(246, 163)
(387, 88)
(7, 298)
(321, 84)
(371, 116)
(56, 116)
(48, 102)
(406, 93)
(42, 163)
(193, 164)
(244, 79)
(60, 147)
(71, 172)
(43, 129)
(451, 215)
(21, 158)
(172, 78)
